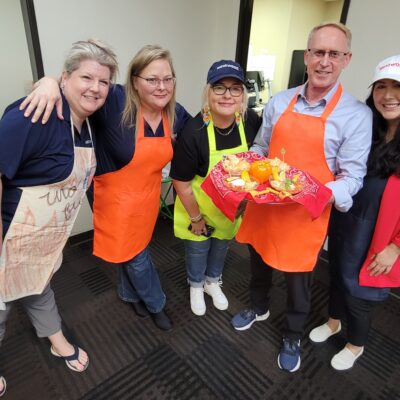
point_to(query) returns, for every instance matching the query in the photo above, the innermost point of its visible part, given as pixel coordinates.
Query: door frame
(32, 38)
(244, 28)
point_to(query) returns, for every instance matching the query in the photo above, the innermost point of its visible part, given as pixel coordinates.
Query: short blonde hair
(206, 92)
(337, 25)
(91, 49)
(140, 61)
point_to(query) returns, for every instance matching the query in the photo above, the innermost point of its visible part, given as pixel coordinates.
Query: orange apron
(126, 202)
(285, 236)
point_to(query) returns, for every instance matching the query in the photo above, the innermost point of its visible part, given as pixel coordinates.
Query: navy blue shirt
(34, 154)
(115, 143)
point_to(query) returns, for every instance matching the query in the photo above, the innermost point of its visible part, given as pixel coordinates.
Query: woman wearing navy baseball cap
(224, 126)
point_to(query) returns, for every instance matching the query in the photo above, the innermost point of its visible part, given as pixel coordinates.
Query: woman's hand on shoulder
(42, 100)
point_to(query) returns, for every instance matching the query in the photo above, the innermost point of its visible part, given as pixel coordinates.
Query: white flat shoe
(322, 333)
(345, 359)
(3, 381)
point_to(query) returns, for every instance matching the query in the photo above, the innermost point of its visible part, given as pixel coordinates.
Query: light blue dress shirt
(347, 140)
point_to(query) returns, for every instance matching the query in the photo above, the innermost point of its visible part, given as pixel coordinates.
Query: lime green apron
(224, 228)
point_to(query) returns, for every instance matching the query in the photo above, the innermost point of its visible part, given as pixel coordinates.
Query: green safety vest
(224, 228)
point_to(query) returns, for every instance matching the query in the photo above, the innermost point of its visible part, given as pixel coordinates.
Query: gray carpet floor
(202, 357)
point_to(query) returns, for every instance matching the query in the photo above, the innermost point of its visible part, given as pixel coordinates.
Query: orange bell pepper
(260, 170)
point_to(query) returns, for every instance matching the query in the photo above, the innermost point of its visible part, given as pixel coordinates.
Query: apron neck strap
(73, 129)
(332, 103)
(165, 122)
(329, 107)
(211, 134)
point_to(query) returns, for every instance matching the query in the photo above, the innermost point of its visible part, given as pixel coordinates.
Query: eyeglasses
(235, 91)
(332, 54)
(155, 82)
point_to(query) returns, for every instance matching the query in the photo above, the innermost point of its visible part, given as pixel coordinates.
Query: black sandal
(73, 357)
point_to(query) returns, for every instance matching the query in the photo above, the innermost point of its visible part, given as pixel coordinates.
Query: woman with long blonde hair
(133, 144)
(223, 127)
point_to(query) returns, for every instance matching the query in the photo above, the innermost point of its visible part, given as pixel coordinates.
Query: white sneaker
(197, 303)
(4, 384)
(322, 333)
(345, 359)
(213, 289)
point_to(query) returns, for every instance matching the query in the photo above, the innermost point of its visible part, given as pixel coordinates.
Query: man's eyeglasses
(155, 82)
(235, 91)
(332, 54)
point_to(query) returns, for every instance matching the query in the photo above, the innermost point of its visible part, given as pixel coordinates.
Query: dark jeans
(298, 294)
(138, 280)
(357, 312)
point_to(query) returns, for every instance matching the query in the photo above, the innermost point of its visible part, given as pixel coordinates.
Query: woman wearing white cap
(223, 127)
(364, 243)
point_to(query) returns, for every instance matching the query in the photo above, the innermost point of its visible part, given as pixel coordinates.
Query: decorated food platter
(249, 176)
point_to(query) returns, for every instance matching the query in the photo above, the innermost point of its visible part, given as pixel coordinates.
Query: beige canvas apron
(42, 223)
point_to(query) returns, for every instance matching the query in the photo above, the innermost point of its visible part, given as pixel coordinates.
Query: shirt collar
(324, 100)
(67, 113)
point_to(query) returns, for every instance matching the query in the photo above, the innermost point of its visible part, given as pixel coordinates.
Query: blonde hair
(91, 49)
(140, 61)
(206, 93)
(337, 25)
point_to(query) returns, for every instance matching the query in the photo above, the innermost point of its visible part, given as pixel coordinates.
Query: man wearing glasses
(326, 132)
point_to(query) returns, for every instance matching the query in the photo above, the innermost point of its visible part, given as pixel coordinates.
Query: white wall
(376, 31)
(281, 26)
(15, 67)
(197, 32)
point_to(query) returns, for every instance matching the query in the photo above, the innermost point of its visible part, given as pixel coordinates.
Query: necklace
(225, 133)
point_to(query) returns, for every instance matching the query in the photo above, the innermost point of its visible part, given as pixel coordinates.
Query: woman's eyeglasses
(235, 91)
(155, 82)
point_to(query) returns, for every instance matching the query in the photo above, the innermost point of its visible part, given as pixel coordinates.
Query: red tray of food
(227, 184)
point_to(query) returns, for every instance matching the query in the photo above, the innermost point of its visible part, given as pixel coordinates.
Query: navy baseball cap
(225, 69)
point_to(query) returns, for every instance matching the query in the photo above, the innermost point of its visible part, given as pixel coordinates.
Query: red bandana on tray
(314, 196)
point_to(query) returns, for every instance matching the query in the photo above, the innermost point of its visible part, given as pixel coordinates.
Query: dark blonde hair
(140, 61)
(91, 49)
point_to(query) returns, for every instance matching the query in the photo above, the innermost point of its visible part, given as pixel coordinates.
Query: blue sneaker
(246, 318)
(289, 357)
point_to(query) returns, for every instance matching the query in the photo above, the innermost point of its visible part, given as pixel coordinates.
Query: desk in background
(259, 109)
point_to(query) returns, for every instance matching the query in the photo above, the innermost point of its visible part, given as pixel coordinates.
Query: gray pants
(42, 311)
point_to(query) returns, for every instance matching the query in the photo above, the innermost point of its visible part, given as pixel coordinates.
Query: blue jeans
(205, 260)
(138, 280)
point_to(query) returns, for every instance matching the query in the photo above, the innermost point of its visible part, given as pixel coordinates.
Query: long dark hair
(384, 158)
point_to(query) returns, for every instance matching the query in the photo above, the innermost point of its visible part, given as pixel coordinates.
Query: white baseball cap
(388, 69)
